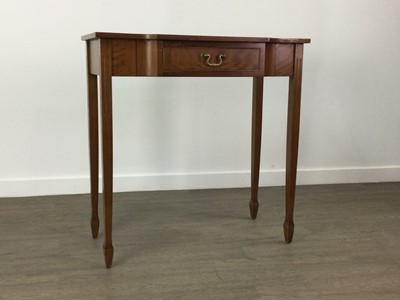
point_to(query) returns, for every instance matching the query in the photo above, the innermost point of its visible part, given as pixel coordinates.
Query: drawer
(215, 59)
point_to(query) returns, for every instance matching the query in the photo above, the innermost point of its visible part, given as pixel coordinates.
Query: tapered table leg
(292, 141)
(107, 146)
(93, 144)
(258, 85)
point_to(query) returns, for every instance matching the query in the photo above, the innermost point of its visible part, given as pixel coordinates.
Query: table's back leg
(107, 145)
(258, 85)
(292, 141)
(93, 144)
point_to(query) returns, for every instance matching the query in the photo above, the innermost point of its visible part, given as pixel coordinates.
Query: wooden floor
(203, 245)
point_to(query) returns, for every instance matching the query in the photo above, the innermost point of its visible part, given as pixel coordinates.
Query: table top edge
(203, 38)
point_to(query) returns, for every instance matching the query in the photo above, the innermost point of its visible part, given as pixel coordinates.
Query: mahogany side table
(122, 54)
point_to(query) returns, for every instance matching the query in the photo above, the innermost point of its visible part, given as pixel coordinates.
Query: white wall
(195, 132)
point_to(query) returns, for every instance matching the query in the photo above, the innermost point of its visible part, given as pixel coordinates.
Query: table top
(204, 38)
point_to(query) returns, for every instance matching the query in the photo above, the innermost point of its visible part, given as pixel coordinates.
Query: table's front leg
(258, 85)
(292, 141)
(93, 144)
(107, 146)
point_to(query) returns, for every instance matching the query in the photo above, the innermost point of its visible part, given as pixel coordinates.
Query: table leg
(107, 146)
(292, 141)
(93, 144)
(258, 85)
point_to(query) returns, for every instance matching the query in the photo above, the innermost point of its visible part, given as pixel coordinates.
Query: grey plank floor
(202, 245)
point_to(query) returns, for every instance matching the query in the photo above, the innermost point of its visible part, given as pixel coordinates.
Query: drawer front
(213, 59)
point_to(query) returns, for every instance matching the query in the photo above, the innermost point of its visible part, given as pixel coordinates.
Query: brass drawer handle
(207, 56)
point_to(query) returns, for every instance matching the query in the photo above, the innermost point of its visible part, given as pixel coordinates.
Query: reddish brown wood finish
(279, 59)
(185, 59)
(258, 87)
(93, 143)
(292, 141)
(124, 57)
(149, 58)
(173, 37)
(107, 136)
(118, 54)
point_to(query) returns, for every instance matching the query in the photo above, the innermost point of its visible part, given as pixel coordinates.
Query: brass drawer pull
(207, 56)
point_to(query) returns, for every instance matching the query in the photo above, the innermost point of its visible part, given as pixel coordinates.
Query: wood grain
(107, 145)
(93, 112)
(256, 129)
(279, 59)
(118, 54)
(184, 59)
(149, 58)
(292, 141)
(174, 37)
(123, 57)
